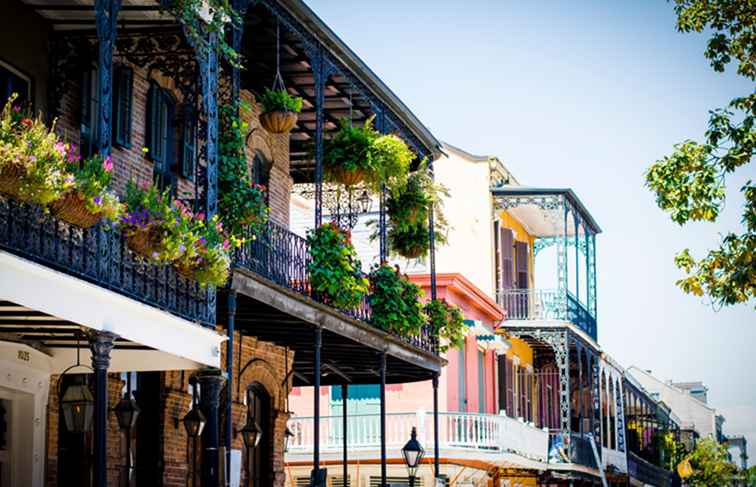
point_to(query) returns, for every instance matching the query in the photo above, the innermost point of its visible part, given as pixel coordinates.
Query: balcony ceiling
(79, 15)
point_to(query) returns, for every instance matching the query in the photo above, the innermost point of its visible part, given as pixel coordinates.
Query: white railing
(457, 431)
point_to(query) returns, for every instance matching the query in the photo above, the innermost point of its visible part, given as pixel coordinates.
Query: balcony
(481, 434)
(546, 304)
(646, 472)
(99, 255)
(281, 257)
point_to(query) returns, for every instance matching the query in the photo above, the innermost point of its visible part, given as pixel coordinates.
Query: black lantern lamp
(77, 402)
(251, 433)
(364, 201)
(194, 421)
(127, 412)
(288, 435)
(413, 453)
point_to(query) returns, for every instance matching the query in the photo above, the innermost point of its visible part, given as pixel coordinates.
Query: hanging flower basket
(10, 178)
(278, 122)
(344, 176)
(72, 208)
(146, 242)
(413, 251)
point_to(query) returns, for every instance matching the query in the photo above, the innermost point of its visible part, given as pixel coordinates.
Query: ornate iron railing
(100, 255)
(576, 450)
(281, 256)
(546, 304)
(457, 431)
(647, 472)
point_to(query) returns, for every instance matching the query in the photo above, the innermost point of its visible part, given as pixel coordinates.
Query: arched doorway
(258, 459)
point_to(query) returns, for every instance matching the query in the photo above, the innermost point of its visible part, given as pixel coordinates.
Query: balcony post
(382, 366)
(101, 343)
(315, 476)
(580, 409)
(562, 266)
(432, 238)
(436, 446)
(210, 381)
(344, 425)
(576, 220)
(229, 376)
(106, 15)
(319, 78)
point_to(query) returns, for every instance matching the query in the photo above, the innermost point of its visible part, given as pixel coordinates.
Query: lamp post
(288, 435)
(194, 423)
(251, 433)
(78, 407)
(413, 453)
(364, 201)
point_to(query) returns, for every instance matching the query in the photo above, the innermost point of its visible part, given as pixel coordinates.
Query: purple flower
(97, 200)
(182, 248)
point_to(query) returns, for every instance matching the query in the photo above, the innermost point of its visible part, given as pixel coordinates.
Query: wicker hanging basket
(412, 252)
(146, 241)
(10, 178)
(278, 122)
(71, 208)
(348, 178)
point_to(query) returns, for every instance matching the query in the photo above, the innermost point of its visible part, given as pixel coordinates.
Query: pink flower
(226, 244)
(107, 164)
(60, 148)
(201, 216)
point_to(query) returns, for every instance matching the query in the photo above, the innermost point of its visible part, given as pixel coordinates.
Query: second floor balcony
(545, 243)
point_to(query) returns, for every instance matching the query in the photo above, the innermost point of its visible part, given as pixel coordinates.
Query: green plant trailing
(334, 268)
(360, 153)
(447, 322)
(408, 207)
(205, 247)
(148, 222)
(241, 204)
(90, 197)
(280, 101)
(395, 302)
(200, 17)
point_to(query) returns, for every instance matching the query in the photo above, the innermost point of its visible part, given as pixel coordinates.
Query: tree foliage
(711, 465)
(690, 182)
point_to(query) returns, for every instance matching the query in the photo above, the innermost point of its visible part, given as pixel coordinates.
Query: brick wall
(132, 163)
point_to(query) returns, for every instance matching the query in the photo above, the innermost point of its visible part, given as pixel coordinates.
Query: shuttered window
(123, 77)
(160, 114)
(481, 382)
(501, 366)
(510, 387)
(461, 385)
(521, 263)
(89, 112)
(188, 143)
(507, 266)
(12, 81)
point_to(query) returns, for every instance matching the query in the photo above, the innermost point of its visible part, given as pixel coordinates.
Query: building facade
(88, 329)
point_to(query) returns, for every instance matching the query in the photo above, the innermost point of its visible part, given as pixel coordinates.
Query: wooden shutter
(497, 256)
(188, 144)
(521, 262)
(481, 382)
(501, 375)
(89, 114)
(122, 100)
(510, 387)
(461, 385)
(506, 239)
(152, 132)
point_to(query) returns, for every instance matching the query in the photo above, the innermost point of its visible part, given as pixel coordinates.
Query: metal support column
(576, 221)
(101, 344)
(382, 366)
(432, 239)
(344, 426)
(106, 16)
(319, 76)
(229, 376)
(436, 446)
(580, 408)
(315, 476)
(210, 381)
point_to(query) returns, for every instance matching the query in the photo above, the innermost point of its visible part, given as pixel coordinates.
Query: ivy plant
(200, 17)
(242, 205)
(334, 268)
(280, 101)
(446, 321)
(395, 302)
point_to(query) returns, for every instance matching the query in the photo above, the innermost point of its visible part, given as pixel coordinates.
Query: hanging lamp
(77, 402)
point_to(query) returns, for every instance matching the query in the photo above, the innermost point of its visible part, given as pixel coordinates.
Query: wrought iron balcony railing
(282, 257)
(546, 304)
(577, 450)
(100, 255)
(647, 472)
(484, 433)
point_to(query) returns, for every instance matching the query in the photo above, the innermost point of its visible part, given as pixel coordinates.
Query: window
(461, 385)
(12, 81)
(188, 143)
(261, 170)
(160, 133)
(122, 89)
(90, 107)
(481, 382)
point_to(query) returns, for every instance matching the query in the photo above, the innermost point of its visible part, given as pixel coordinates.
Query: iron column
(101, 344)
(211, 381)
(229, 376)
(316, 405)
(383, 418)
(344, 398)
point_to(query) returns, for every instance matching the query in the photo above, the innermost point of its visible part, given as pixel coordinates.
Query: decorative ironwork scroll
(620, 416)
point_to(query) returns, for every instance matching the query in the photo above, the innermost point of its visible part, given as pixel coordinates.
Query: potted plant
(149, 223)
(357, 153)
(89, 200)
(334, 269)
(279, 110)
(205, 251)
(32, 159)
(395, 302)
(447, 322)
(409, 241)
(242, 205)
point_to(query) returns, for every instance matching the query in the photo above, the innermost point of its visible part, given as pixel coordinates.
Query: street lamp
(78, 407)
(288, 435)
(364, 201)
(251, 433)
(194, 423)
(413, 454)
(127, 412)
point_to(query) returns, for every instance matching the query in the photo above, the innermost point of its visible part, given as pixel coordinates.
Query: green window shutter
(122, 101)
(152, 131)
(188, 144)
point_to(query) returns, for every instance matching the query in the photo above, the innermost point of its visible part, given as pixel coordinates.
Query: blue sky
(583, 95)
